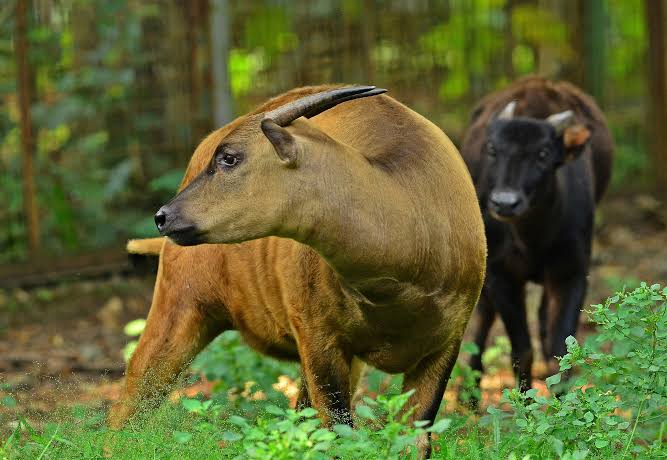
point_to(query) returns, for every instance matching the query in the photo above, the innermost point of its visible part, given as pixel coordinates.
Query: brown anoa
(356, 235)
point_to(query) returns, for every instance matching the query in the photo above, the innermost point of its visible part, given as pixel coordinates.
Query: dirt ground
(61, 346)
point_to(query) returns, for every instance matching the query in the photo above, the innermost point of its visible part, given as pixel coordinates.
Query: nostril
(160, 219)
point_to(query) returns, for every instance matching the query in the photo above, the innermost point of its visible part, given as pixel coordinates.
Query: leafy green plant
(282, 434)
(466, 377)
(382, 432)
(616, 401)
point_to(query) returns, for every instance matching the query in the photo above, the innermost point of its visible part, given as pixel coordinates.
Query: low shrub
(616, 403)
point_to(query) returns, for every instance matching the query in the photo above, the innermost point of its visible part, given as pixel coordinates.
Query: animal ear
(283, 142)
(575, 139)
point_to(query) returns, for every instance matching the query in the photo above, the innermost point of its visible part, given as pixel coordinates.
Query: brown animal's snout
(507, 203)
(170, 223)
(161, 219)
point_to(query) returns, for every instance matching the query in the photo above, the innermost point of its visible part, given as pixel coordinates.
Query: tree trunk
(657, 113)
(198, 38)
(146, 102)
(220, 42)
(574, 70)
(594, 27)
(23, 79)
(175, 73)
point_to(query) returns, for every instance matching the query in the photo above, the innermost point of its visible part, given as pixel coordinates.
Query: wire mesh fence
(121, 92)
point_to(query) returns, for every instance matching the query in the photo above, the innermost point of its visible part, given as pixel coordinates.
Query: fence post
(657, 97)
(23, 83)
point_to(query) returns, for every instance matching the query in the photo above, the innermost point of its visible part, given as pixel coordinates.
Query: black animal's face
(523, 155)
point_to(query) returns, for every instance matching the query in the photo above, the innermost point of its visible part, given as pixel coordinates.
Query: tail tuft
(145, 246)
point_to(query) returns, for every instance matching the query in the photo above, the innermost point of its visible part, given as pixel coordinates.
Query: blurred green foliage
(123, 90)
(232, 364)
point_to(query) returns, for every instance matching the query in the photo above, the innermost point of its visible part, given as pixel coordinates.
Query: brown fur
(392, 266)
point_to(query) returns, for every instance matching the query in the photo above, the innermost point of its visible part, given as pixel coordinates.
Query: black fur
(538, 201)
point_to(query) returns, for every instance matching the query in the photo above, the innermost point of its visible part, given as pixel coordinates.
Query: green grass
(170, 432)
(613, 408)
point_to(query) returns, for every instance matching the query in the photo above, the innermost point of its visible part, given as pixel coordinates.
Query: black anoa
(540, 154)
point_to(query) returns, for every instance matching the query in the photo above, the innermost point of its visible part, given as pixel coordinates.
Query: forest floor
(62, 346)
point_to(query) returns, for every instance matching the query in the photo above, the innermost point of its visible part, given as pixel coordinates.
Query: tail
(145, 246)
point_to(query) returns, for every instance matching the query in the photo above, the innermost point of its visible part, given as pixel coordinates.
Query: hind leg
(176, 330)
(543, 316)
(486, 316)
(429, 380)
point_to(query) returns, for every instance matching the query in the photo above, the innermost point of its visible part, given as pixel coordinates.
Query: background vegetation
(121, 92)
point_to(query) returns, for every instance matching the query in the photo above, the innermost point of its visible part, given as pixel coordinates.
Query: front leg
(566, 297)
(325, 373)
(509, 301)
(357, 371)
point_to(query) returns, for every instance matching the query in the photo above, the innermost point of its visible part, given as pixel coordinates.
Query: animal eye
(227, 160)
(543, 154)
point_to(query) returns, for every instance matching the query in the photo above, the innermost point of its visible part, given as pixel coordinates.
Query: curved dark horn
(317, 103)
(508, 111)
(561, 120)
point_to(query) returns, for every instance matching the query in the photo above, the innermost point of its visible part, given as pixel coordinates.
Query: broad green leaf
(441, 425)
(8, 401)
(542, 428)
(238, 420)
(365, 412)
(274, 410)
(182, 436)
(191, 404)
(600, 443)
(231, 436)
(553, 380)
(344, 431)
(308, 412)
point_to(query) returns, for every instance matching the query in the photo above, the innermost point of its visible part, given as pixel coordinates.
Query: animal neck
(362, 222)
